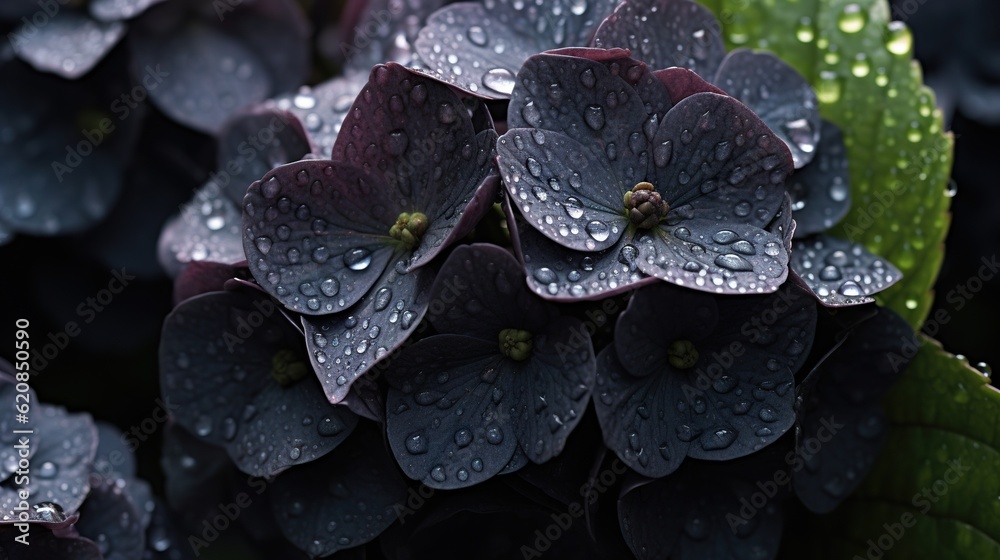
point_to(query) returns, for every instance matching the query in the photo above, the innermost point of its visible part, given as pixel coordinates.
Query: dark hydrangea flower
(480, 47)
(235, 370)
(697, 512)
(208, 228)
(210, 60)
(716, 385)
(62, 448)
(63, 152)
(645, 172)
(843, 410)
(506, 375)
(346, 241)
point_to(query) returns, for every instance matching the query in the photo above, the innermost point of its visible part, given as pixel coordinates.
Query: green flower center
(515, 344)
(682, 354)
(409, 228)
(644, 206)
(286, 368)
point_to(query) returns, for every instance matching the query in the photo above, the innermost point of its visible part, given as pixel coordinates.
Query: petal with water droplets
(839, 272)
(68, 44)
(821, 191)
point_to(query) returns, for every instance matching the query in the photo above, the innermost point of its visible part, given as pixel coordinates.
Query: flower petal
(839, 272)
(778, 94)
(665, 33)
(207, 229)
(316, 234)
(430, 382)
(564, 193)
(344, 346)
(69, 43)
(821, 191)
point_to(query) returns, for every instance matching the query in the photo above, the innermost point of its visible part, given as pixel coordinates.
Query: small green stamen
(644, 206)
(286, 368)
(682, 354)
(515, 344)
(409, 228)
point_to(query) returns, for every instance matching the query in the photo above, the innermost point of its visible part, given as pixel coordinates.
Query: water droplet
(573, 207)
(850, 289)
(263, 244)
(477, 36)
(598, 230)
(397, 142)
(203, 426)
(416, 444)
(733, 262)
(48, 469)
(804, 32)
(501, 80)
(330, 287)
(587, 78)
(725, 237)
(229, 428)
(382, 299)
(851, 19)
(545, 275)
(494, 435)
(329, 426)
(768, 414)
(358, 259)
(594, 117)
(720, 438)
(899, 40)
(534, 167)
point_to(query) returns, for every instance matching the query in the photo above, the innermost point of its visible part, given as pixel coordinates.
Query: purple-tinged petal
(681, 83)
(110, 519)
(343, 500)
(316, 234)
(203, 277)
(207, 229)
(69, 44)
(223, 359)
(594, 103)
(429, 383)
(415, 137)
(254, 142)
(44, 544)
(346, 345)
(561, 190)
(843, 411)
(729, 259)
(821, 191)
(778, 94)
(723, 392)
(60, 449)
(665, 33)
(839, 272)
(480, 48)
(561, 274)
(712, 153)
(116, 10)
(377, 31)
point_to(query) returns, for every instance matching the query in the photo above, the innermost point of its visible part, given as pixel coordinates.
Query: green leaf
(934, 491)
(900, 158)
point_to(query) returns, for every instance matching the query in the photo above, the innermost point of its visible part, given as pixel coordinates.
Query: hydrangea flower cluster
(514, 246)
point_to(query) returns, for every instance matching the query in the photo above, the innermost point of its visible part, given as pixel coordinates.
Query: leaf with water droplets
(68, 44)
(693, 512)
(557, 273)
(665, 34)
(843, 412)
(232, 369)
(540, 179)
(61, 453)
(254, 142)
(206, 230)
(821, 191)
(839, 272)
(716, 386)
(344, 346)
(109, 519)
(778, 94)
(481, 47)
(861, 65)
(343, 500)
